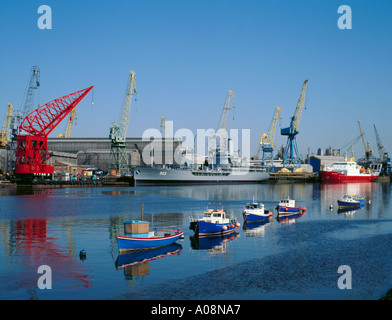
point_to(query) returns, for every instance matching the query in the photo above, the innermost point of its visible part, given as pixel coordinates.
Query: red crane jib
(32, 154)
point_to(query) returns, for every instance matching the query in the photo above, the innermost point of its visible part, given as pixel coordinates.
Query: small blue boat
(349, 202)
(287, 209)
(213, 222)
(255, 212)
(138, 237)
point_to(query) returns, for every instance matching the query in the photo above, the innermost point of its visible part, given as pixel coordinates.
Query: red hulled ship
(349, 171)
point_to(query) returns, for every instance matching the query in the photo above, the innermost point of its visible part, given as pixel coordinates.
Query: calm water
(296, 260)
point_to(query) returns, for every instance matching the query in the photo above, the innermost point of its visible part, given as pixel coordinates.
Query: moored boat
(213, 222)
(349, 201)
(349, 171)
(255, 212)
(138, 236)
(287, 209)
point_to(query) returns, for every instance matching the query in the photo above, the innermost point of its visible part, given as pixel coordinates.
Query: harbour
(298, 259)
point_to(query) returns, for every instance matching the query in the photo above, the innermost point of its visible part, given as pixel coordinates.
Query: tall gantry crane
(118, 160)
(267, 139)
(5, 134)
(68, 130)
(291, 157)
(32, 154)
(20, 114)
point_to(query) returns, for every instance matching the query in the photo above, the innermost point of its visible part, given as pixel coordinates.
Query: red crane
(32, 155)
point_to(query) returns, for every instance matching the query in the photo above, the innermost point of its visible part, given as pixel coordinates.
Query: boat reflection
(349, 211)
(213, 244)
(135, 263)
(253, 229)
(289, 220)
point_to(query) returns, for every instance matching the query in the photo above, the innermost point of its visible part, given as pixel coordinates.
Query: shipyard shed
(95, 152)
(319, 162)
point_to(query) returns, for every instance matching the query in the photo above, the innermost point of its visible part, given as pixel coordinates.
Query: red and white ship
(349, 171)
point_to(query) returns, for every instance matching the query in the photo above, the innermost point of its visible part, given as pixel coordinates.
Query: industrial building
(319, 162)
(95, 152)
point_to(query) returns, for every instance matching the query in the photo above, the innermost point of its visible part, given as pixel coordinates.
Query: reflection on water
(51, 226)
(135, 264)
(213, 244)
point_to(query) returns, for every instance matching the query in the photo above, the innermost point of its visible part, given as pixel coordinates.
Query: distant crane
(368, 153)
(384, 157)
(267, 139)
(118, 160)
(19, 115)
(221, 129)
(291, 157)
(166, 132)
(5, 134)
(68, 130)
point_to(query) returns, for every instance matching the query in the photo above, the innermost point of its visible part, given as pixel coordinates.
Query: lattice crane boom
(380, 146)
(226, 108)
(32, 155)
(5, 134)
(368, 152)
(34, 83)
(300, 107)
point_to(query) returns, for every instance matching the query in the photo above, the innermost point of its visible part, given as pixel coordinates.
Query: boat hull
(205, 229)
(349, 204)
(127, 243)
(256, 217)
(157, 175)
(333, 176)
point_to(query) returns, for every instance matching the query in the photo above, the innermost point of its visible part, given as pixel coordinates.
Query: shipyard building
(95, 152)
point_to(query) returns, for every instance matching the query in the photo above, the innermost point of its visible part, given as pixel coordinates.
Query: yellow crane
(5, 134)
(68, 131)
(368, 152)
(267, 139)
(166, 132)
(118, 161)
(226, 108)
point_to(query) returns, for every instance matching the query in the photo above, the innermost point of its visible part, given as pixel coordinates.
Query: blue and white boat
(287, 209)
(349, 201)
(255, 212)
(213, 222)
(138, 237)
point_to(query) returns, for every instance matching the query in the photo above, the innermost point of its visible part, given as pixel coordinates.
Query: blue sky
(187, 54)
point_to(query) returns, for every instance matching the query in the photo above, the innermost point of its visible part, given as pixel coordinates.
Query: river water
(298, 259)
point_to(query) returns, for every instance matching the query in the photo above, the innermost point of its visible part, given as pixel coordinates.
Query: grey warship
(212, 174)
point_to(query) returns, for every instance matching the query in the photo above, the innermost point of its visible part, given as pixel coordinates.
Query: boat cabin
(217, 216)
(287, 202)
(252, 206)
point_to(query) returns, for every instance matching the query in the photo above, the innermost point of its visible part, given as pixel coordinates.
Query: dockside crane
(166, 133)
(368, 158)
(267, 139)
(68, 130)
(118, 160)
(5, 134)
(22, 112)
(384, 157)
(291, 157)
(221, 129)
(32, 154)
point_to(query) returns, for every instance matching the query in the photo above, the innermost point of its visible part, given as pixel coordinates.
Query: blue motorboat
(349, 201)
(255, 212)
(213, 222)
(138, 236)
